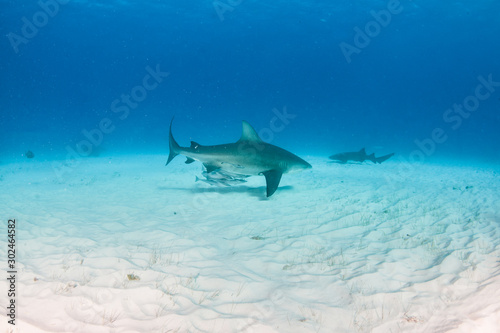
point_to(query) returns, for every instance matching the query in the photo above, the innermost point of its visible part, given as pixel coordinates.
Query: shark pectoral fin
(211, 168)
(189, 160)
(273, 178)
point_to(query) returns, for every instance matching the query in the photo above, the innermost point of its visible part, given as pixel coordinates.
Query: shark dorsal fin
(194, 145)
(363, 151)
(249, 134)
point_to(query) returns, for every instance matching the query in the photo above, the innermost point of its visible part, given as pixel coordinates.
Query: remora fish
(249, 156)
(220, 178)
(359, 156)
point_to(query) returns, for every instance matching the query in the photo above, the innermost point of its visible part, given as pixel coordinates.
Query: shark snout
(300, 166)
(306, 166)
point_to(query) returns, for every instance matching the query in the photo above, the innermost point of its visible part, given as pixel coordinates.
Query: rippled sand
(125, 244)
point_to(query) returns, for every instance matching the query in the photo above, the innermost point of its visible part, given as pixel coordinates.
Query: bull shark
(359, 156)
(249, 156)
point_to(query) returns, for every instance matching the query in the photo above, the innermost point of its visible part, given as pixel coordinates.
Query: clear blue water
(62, 68)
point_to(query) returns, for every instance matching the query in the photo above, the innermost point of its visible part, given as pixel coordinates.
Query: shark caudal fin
(382, 158)
(173, 145)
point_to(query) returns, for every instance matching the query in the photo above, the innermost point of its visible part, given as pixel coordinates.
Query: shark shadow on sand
(226, 190)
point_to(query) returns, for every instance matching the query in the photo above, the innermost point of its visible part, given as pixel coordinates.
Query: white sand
(339, 248)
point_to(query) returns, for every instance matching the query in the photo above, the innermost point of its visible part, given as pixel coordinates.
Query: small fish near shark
(221, 178)
(359, 156)
(231, 163)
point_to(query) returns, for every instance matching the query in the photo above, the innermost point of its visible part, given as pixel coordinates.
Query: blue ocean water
(418, 78)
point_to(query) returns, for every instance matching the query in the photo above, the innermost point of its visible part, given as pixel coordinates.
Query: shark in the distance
(249, 156)
(221, 178)
(359, 156)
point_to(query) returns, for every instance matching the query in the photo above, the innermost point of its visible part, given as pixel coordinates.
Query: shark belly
(234, 166)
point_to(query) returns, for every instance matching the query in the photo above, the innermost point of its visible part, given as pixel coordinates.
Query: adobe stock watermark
(30, 28)
(120, 107)
(277, 124)
(222, 7)
(363, 38)
(453, 116)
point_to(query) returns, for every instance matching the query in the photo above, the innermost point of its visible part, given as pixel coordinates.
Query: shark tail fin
(173, 145)
(382, 158)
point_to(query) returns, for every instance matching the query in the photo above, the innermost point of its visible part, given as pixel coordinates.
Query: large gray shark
(359, 156)
(249, 156)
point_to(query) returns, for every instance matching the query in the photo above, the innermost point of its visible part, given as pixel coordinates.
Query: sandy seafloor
(338, 248)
